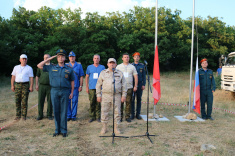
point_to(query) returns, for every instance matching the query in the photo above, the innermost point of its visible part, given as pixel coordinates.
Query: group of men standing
(115, 85)
(61, 85)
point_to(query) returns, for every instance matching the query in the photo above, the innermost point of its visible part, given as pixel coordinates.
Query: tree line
(35, 33)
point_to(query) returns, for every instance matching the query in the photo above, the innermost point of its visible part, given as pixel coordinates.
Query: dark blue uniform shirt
(206, 79)
(60, 77)
(141, 73)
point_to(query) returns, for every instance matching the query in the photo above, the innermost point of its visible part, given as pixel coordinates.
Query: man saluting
(61, 81)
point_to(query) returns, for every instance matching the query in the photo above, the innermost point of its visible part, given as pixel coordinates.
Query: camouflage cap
(112, 60)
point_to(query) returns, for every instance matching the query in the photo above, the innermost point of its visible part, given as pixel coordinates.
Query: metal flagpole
(191, 68)
(156, 23)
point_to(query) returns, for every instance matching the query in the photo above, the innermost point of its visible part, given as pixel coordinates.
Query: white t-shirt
(22, 73)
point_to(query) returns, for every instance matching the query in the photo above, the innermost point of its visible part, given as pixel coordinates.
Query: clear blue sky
(214, 8)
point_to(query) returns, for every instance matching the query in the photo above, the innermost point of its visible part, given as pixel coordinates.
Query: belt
(22, 82)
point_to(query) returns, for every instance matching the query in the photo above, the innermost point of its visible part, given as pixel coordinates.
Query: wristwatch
(80, 86)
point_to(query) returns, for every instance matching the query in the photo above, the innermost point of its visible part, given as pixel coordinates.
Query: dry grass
(33, 137)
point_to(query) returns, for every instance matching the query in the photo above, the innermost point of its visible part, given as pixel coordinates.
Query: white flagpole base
(144, 117)
(181, 119)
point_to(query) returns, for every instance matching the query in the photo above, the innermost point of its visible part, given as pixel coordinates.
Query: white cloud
(37, 4)
(148, 3)
(100, 6)
(18, 3)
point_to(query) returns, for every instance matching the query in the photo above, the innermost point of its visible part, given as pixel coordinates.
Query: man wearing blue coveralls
(78, 82)
(141, 86)
(62, 81)
(207, 88)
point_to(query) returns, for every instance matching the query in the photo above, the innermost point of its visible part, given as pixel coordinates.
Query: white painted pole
(156, 23)
(191, 68)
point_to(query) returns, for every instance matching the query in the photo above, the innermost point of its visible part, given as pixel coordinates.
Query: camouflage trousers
(107, 103)
(128, 104)
(21, 99)
(94, 105)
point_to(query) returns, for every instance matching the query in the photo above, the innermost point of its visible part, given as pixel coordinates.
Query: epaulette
(68, 65)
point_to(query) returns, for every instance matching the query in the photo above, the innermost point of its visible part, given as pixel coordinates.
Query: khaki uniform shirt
(128, 71)
(105, 81)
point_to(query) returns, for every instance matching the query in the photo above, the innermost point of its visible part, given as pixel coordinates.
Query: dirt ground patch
(32, 137)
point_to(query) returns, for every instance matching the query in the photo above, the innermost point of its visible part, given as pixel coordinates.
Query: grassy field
(32, 137)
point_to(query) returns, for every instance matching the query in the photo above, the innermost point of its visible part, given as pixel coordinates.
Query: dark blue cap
(61, 52)
(72, 54)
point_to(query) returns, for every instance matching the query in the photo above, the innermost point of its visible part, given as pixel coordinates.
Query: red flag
(156, 78)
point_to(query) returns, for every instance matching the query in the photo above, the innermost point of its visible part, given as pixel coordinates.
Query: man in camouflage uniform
(105, 85)
(130, 74)
(21, 76)
(92, 74)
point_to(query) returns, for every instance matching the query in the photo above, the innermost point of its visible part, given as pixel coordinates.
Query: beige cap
(23, 56)
(111, 60)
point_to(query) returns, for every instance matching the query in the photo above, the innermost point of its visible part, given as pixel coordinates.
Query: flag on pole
(196, 90)
(156, 78)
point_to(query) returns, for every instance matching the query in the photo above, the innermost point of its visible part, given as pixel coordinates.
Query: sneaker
(98, 120)
(24, 118)
(68, 119)
(121, 120)
(50, 118)
(73, 119)
(128, 120)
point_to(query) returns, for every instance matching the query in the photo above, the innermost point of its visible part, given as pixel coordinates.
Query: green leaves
(46, 30)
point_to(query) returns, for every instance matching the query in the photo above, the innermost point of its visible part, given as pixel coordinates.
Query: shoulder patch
(68, 65)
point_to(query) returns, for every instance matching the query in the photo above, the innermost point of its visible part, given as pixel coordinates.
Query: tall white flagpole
(191, 68)
(156, 23)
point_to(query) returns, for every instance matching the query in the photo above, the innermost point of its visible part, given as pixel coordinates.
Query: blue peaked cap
(61, 52)
(72, 54)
